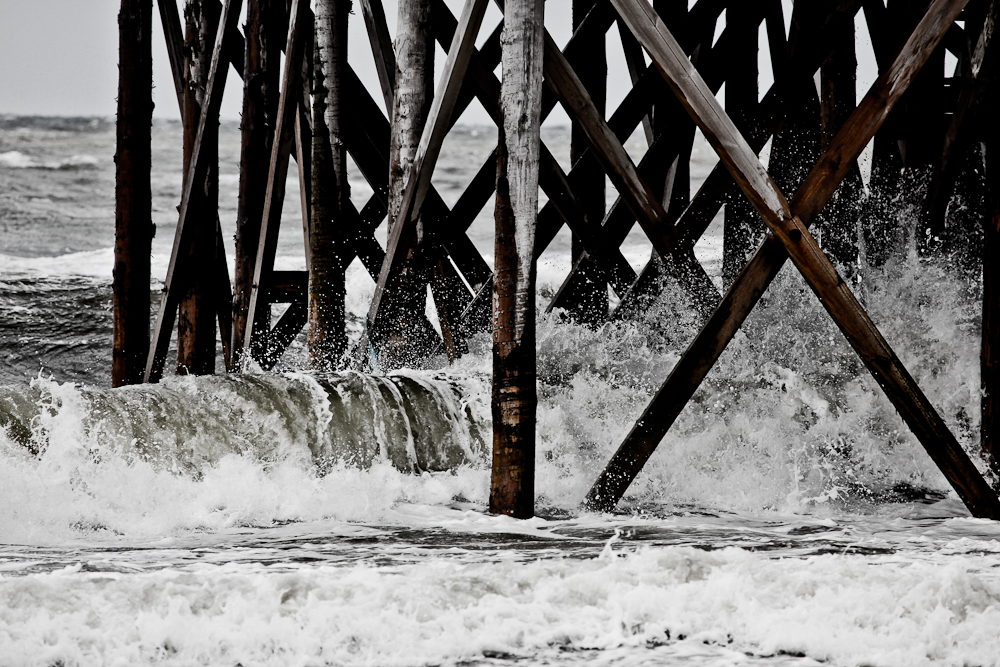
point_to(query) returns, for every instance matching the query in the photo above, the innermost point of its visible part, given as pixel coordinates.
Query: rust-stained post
(197, 314)
(133, 203)
(265, 33)
(330, 190)
(512, 488)
(990, 361)
(741, 228)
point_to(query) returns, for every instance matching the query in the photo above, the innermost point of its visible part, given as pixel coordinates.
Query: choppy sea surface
(788, 518)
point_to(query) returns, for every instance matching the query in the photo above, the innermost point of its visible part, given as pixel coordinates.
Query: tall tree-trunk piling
(741, 228)
(133, 199)
(265, 33)
(330, 190)
(512, 487)
(414, 93)
(196, 320)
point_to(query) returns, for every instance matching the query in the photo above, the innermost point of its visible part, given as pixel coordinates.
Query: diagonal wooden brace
(197, 172)
(254, 339)
(789, 237)
(803, 57)
(402, 237)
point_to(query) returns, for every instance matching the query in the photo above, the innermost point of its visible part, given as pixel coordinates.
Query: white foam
(839, 609)
(19, 160)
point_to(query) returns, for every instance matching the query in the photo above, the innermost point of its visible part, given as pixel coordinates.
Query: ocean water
(788, 518)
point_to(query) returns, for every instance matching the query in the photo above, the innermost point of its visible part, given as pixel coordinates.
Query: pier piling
(512, 488)
(133, 199)
(927, 128)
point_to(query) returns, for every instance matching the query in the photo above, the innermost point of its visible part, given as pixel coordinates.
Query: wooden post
(133, 202)
(669, 117)
(198, 172)
(512, 487)
(587, 300)
(255, 337)
(741, 230)
(838, 81)
(330, 190)
(407, 339)
(879, 231)
(990, 360)
(395, 277)
(196, 317)
(261, 88)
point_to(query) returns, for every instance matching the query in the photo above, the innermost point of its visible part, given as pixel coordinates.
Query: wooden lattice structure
(923, 125)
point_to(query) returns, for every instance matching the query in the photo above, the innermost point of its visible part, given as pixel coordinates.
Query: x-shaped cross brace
(790, 238)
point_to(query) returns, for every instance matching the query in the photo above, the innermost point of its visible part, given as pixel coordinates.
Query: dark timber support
(990, 361)
(255, 339)
(586, 299)
(837, 224)
(265, 35)
(197, 173)
(133, 203)
(741, 230)
(400, 269)
(512, 486)
(330, 190)
(197, 308)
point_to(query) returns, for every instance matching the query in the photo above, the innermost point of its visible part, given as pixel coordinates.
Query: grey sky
(59, 57)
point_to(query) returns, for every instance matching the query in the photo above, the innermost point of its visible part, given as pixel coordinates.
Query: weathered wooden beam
(288, 286)
(741, 228)
(605, 258)
(197, 174)
(284, 332)
(197, 308)
(402, 234)
(838, 82)
(512, 484)
(587, 301)
(656, 163)
(972, 95)
(133, 197)
(990, 353)
(173, 34)
(413, 92)
(261, 90)
(368, 143)
(643, 203)
(258, 313)
(636, 64)
(789, 236)
(381, 43)
(330, 188)
(628, 115)
(223, 288)
(303, 144)
(808, 46)
(223, 299)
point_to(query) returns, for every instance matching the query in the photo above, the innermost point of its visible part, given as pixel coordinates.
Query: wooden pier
(930, 134)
